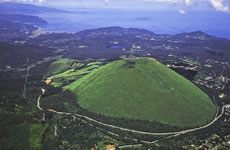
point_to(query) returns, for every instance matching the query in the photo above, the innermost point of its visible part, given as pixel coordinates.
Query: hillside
(16, 55)
(20, 8)
(24, 19)
(143, 89)
(59, 66)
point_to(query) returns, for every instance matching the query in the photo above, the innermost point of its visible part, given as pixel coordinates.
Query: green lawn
(143, 89)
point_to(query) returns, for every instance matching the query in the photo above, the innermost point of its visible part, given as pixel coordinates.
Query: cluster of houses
(108, 147)
(227, 115)
(213, 143)
(214, 82)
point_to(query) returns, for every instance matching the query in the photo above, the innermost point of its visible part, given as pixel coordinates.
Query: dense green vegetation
(21, 130)
(155, 95)
(16, 55)
(21, 124)
(59, 100)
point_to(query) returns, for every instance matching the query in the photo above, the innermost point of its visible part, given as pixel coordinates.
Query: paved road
(169, 134)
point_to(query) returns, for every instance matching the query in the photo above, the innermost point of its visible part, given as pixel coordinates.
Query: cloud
(219, 5)
(188, 3)
(181, 11)
(169, 1)
(40, 1)
(106, 2)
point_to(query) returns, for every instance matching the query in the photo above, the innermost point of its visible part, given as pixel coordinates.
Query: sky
(181, 5)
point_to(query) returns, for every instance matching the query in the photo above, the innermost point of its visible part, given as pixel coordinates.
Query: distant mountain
(116, 31)
(195, 35)
(21, 8)
(112, 42)
(20, 18)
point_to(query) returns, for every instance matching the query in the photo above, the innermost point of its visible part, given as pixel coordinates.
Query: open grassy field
(59, 66)
(143, 89)
(64, 70)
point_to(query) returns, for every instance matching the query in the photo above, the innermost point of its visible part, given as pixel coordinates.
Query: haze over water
(158, 21)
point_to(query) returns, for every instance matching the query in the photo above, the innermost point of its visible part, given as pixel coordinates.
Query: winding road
(169, 134)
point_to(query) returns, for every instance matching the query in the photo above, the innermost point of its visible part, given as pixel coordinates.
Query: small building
(228, 142)
(115, 42)
(110, 147)
(8, 67)
(222, 95)
(208, 78)
(48, 81)
(82, 46)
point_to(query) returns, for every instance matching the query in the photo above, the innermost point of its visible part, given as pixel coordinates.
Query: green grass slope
(143, 89)
(59, 66)
(65, 70)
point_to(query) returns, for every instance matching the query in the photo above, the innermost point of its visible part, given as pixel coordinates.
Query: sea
(158, 21)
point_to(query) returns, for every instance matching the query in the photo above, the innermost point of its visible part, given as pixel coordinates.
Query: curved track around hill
(131, 130)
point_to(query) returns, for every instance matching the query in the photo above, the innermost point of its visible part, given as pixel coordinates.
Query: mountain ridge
(23, 8)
